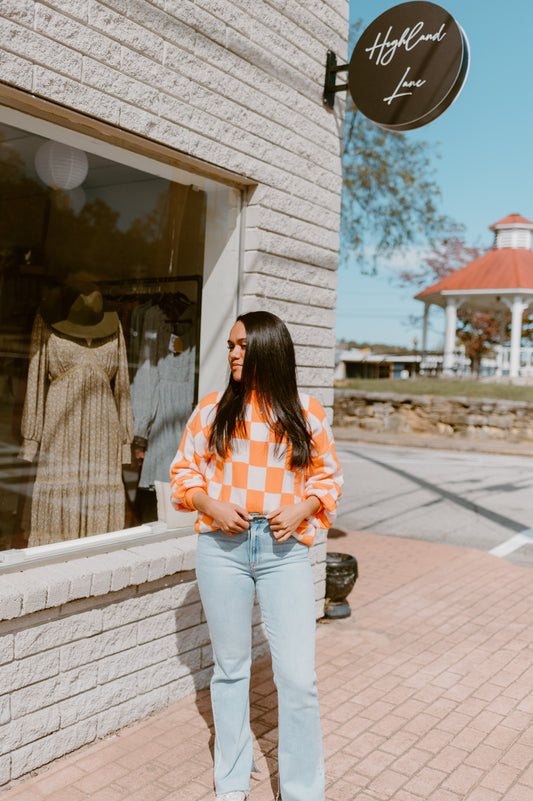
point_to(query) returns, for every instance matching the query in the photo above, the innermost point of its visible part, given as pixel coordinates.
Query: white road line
(513, 543)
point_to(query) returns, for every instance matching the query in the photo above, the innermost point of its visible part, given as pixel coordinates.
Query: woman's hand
(229, 517)
(285, 519)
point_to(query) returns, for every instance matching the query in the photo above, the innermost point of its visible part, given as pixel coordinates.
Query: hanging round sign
(408, 66)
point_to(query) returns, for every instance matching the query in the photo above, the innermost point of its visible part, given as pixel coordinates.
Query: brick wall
(233, 83)
(91, 645)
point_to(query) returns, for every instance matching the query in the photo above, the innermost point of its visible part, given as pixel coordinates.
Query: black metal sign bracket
(332, 68)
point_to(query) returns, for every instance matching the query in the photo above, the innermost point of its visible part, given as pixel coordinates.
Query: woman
(258, 463)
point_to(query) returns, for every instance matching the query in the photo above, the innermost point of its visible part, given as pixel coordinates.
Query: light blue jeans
(230, 569)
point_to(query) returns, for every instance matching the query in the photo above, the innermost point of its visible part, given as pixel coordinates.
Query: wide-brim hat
(87, 319)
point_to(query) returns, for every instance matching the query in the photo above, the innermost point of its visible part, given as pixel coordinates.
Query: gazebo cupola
(513, 232)
(500, 280)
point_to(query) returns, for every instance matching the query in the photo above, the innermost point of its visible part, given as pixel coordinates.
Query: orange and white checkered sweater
(255, 473)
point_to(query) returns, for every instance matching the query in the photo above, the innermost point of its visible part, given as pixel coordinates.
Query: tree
(446, 255)
(390, 197)
(478, 331)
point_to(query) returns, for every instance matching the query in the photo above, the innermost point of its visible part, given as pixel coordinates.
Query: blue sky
(485, 169)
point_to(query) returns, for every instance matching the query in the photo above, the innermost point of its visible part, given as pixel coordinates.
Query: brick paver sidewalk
(426, 695)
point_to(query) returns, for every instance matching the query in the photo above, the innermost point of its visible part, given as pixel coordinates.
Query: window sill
(17, 559)
(48, 577)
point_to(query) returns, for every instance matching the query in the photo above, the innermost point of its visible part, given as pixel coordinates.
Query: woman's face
(237, 349)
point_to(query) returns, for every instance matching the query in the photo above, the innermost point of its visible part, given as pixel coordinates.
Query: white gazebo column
(425, 330)
(517, 310)
(501, 345)
(449, 336)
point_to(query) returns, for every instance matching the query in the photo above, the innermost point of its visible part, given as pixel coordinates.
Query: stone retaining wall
(475, 418)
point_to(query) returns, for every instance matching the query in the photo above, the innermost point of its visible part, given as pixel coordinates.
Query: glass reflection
(100, 297)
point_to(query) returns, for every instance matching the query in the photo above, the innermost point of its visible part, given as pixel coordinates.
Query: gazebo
(502, 279)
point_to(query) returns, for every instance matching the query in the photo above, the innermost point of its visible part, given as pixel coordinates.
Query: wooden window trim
(66, 117)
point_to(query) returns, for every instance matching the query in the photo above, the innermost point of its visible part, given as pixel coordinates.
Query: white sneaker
(237, 795)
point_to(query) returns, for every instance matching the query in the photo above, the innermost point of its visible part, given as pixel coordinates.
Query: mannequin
(78, 418)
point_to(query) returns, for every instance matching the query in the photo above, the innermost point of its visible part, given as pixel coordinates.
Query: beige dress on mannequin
(77, 415)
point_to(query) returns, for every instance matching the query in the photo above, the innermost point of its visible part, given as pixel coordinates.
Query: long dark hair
(269, 368)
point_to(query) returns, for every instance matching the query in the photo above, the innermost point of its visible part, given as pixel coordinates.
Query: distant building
(366, 364)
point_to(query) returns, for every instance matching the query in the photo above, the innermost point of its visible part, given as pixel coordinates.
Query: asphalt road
(474, 500)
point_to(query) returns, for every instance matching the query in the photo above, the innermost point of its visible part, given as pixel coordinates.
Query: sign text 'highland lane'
(409, 40)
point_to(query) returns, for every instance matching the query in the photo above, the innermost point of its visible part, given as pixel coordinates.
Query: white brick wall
(74, 669)
(92, 644)
(234, 83)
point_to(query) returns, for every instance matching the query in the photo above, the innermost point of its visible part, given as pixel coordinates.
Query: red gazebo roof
(504, 269)
(512, 220)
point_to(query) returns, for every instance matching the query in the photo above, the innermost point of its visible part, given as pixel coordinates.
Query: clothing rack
(148, 285)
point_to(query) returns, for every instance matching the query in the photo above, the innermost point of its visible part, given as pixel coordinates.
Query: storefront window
(103, 273)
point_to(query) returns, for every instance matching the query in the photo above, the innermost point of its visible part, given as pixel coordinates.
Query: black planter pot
(341, 575)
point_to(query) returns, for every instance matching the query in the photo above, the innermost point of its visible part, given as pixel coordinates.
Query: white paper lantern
(61, 166)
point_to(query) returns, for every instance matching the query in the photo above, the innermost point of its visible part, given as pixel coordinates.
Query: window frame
(51, 120)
